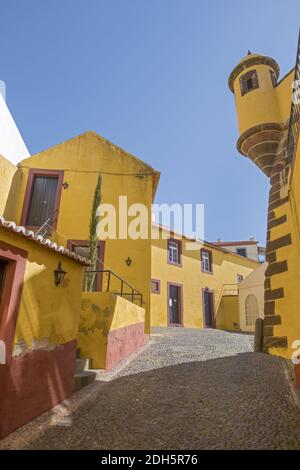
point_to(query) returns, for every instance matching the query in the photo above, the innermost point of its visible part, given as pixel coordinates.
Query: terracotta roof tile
(46, 242)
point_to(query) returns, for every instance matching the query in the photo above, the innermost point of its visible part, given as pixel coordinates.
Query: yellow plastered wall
(266, 104)
(252, 285)
(83, 159)
(46, 312)
(102, 312)
(7, 171)
(260, 105)
(226, 267)
(228, 313)
(288, 306)
(283, 95)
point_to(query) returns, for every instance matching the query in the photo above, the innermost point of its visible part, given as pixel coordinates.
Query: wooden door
(42, 201)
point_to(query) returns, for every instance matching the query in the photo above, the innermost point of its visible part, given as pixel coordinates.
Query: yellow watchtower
(254, 84)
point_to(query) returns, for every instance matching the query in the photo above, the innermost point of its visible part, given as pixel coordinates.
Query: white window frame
(206, 261)
(173, 252)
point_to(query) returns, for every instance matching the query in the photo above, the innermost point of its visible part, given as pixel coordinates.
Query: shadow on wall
(227, 315)
(215, 404)
(13, 197)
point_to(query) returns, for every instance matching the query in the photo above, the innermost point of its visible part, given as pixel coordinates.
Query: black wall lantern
(59, 275)
(128, 261)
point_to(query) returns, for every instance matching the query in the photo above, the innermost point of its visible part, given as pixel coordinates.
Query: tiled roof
(24, 232)
(241, 242)
(203, 242)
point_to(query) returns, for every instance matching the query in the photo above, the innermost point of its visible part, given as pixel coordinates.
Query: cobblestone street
(190, 389)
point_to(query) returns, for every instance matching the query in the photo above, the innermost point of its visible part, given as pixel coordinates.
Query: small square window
(242, 252)
(206, 261)
(249, 82)
(155, 286)
(174, 252)
(273, 78)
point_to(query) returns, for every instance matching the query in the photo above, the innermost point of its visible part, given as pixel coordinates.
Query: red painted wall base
(297, 375)
(123, 342)
(34, 383)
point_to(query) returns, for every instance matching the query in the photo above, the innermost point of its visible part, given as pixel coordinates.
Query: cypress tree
(93, 240)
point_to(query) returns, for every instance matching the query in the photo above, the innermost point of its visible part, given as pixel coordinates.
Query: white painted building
(12, 145)
(248, 248)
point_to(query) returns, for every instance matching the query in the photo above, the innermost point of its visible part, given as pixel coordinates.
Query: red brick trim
(169, 284)
(33, 172)
(11, 295)
(101, 250)
(250, 242)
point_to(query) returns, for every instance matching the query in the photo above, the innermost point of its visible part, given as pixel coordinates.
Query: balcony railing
(294, 124)
(111, 282)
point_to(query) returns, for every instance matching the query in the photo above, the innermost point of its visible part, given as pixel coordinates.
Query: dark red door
(174, 305)
(208, 309)
(42, 201)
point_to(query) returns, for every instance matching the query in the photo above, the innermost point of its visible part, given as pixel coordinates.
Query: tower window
(273, 78)
(248, 82)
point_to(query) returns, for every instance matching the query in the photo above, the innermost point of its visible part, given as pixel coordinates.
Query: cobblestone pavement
(191, 389)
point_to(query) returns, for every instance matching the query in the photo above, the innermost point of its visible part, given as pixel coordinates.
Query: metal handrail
(134, 292)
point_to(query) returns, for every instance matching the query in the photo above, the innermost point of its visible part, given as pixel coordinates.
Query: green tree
(93, 240)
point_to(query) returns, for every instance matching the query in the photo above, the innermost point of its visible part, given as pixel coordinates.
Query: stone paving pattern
(191, 389)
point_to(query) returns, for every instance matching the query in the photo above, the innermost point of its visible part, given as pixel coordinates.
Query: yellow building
(268, 119)
(69, 173)
(39, 318)
(195, 288)
(52, 193)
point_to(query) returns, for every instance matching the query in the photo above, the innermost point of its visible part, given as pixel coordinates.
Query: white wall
(252, 250)
(12, 146)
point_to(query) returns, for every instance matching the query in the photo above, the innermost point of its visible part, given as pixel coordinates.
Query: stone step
(84, 378)
(83, 364)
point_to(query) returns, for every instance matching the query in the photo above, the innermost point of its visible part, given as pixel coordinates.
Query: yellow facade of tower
(268, 121)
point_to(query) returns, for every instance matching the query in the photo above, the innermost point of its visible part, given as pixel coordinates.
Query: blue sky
(151, 76)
